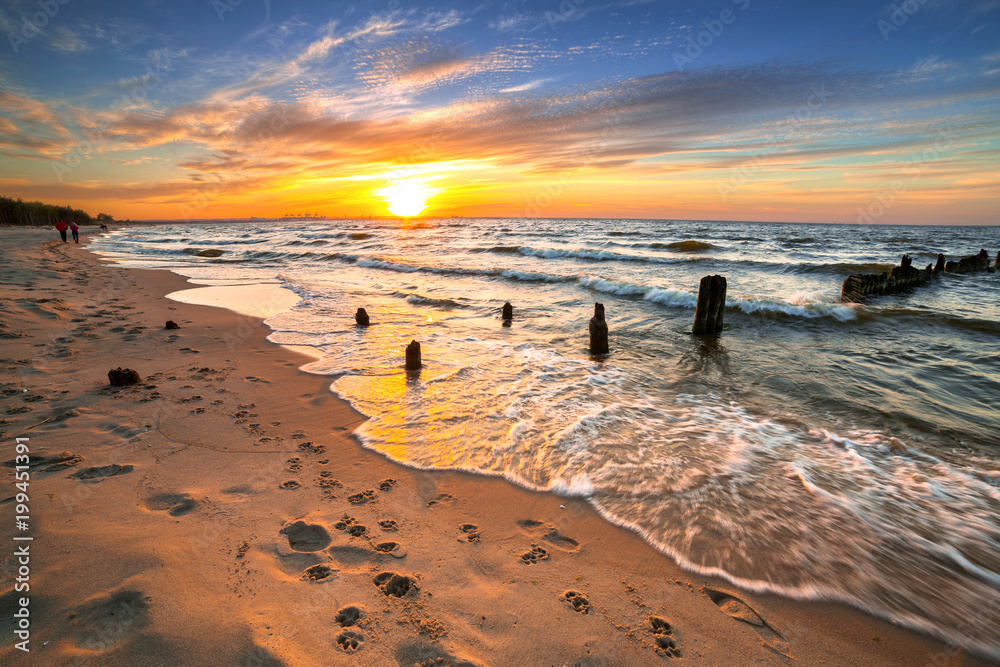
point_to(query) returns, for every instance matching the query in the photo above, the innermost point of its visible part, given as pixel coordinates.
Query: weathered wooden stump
(413, 361)
(507, 313)
(361, 317)
(708, 316)
(123, 377)
(939, 267)
(171, 325)
(972, 264)
(598, 331)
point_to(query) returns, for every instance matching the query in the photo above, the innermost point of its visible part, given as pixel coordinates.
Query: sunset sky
(727, 110)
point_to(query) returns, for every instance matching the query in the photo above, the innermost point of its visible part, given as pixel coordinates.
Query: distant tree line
(17, 212)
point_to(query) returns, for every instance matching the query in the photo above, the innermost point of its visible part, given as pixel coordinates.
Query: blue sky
(738, 109)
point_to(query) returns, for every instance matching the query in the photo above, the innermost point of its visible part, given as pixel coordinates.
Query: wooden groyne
(972, 264)
(857, 286)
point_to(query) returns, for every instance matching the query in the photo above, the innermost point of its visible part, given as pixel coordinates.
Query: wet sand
(220, 513)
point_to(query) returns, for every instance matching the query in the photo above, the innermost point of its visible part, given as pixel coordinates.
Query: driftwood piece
(507, 313)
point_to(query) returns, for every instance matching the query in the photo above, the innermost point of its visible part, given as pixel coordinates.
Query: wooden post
(361, 317)
(939, 267)
(413, 361)
(598, 331)
(507, 314)
(708, 316)
(717, 308)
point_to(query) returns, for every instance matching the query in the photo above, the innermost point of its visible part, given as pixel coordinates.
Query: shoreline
(476, 601)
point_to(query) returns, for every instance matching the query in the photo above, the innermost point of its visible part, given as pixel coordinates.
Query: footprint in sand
(424, 653)
(312, 448)
(326, 480)
(578, 601)
(741, 611)
(389, 525)
(254, 378)
(386, 484)
(350, 641)
(175, 504)
(99, 473)
(107, 621)
(440, 498)
(188, 350)
(471, 531)
(394, 549)
(396, 585)
(549, 533)
(357, 530)
(318, 573)
(663, 637)
(48, 463)
(348, 616)
(347, 522)
(290, 485)
(362, 497)
(534, 554)
(304, 536)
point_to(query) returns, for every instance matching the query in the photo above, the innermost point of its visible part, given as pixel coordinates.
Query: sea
(814, 449)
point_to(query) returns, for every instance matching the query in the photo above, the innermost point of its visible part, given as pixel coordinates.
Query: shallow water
(815, 450)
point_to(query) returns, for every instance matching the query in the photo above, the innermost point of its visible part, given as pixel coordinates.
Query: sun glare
(407, 198)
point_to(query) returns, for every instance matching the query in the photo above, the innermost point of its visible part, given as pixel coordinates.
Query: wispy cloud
(525, 87)
(65, 40)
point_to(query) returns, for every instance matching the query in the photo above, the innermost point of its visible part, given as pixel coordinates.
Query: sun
(407, 198)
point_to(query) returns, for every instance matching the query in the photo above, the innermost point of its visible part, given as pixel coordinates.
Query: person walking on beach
(73, 227)
(61, 226)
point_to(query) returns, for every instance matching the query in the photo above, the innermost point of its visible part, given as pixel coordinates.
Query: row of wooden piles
(708, 318)
(858, 286)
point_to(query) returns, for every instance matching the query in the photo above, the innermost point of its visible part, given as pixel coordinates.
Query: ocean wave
(420, 300)
(215, 242)
(925, 318)
(589, 254)
(663, 296)
(512, 274)
(683, 246)
(810, 305)
(798, 306)
(839, 268)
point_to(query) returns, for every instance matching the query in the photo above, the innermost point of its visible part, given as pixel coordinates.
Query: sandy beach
(220, 513)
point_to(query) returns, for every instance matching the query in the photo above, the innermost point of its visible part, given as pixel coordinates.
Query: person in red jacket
(76, 231)
(61, 226)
